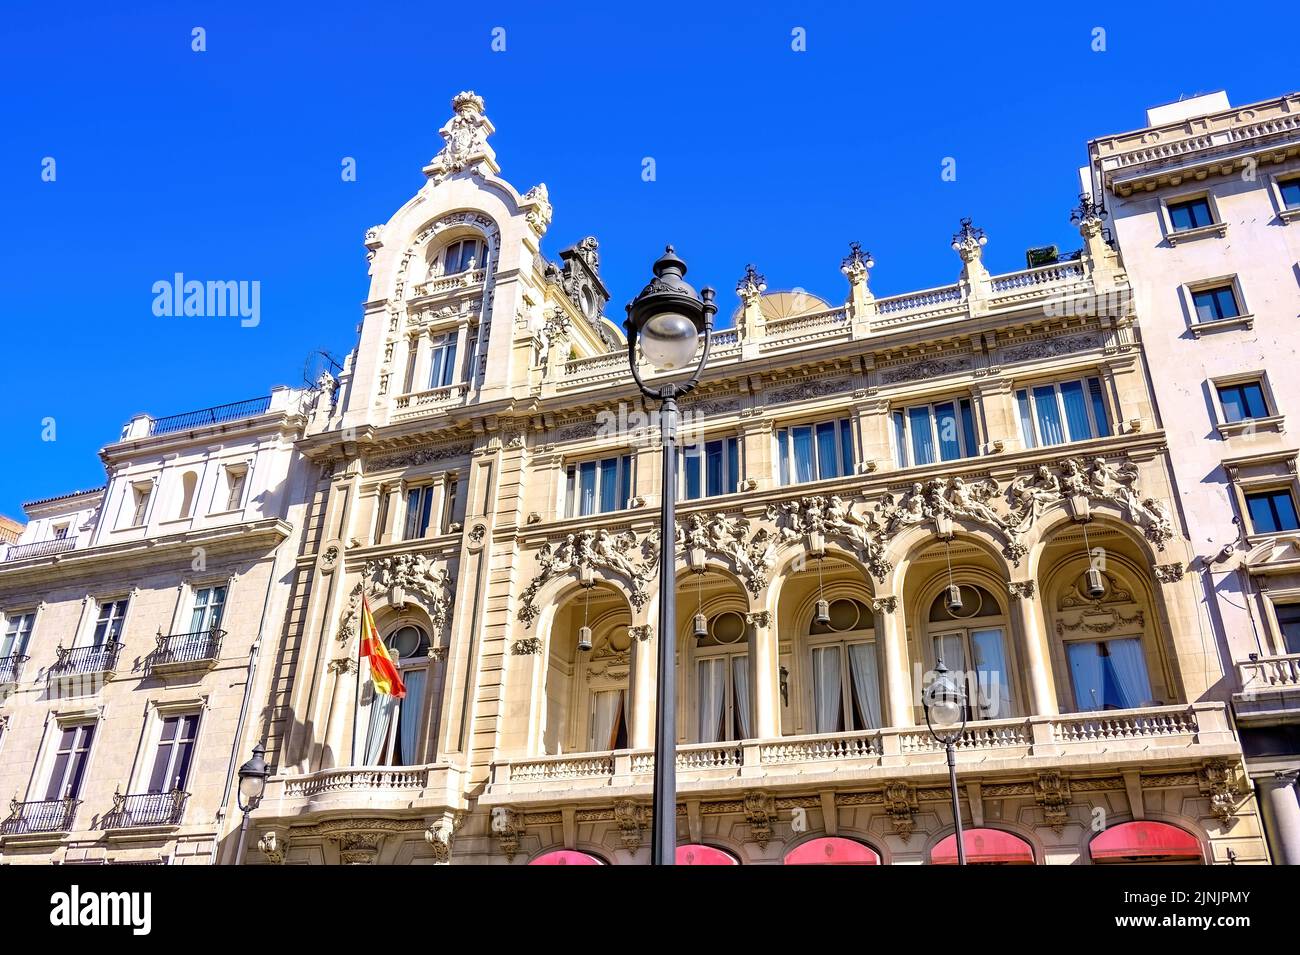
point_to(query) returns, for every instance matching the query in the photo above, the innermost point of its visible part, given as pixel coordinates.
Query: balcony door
(69, 766)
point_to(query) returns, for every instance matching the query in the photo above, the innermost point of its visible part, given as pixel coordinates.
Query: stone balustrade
(379, 788)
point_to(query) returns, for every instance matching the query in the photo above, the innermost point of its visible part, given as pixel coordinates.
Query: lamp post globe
(945, 715)
(252, 780)
(668, 316)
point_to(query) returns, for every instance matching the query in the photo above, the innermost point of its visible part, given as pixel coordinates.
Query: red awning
(566, 857)
(1145, 840)
(832, 851)
(704, 855)
(984, 847)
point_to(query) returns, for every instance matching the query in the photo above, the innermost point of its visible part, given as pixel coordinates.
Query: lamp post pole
(669, 319)
(945, 715)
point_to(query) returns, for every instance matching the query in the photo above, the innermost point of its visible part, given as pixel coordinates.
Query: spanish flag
(383, 672)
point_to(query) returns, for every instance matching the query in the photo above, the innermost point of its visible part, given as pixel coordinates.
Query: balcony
(205, 417)
(1115, 740)
(93, 664)
(48, 548)
(372, 788)
(11, 671)
(41, 816)
(450, 283)
(1270, 690)
(182, 653)
(145, 810)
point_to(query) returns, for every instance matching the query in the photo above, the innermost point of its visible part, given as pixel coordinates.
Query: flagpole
(356, 688)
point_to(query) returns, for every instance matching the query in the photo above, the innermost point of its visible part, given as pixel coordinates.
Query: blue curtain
(1076, 411)
(803, 454)
(691, 468)
(408, 718)
(1026, 421)
(713, 473)
(587, 487)
(733, 465)
(1086, 675)
(918, 420)
(609, 485)
(945, 419)
(1050, 427)
(783, 455)
(900, 438)
(994, 674)
(1098, 408)
(846, 447)
(828, 453)
(1128, 671)
(968, 426)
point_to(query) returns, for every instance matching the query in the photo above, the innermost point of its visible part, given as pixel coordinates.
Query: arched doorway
(393, 731)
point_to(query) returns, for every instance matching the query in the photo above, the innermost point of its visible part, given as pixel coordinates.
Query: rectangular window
(171, 762)
(979, 658)
(608, 720)
(1288, 618)
(710, 468)
(61, 532)
(140, 494)
(1214, 304)
(442, 369)
(1242, 401)
(1108, 674)
(924, 434)
(419, 504)
(108, 628)
(208, 604)
(598, 487)
(1062, 412)
(1272, 511)
(73, 749)
(846, 687)
(18, 632)
(815, 452)
(1290, 191)
(1192, 214)
(236, 478)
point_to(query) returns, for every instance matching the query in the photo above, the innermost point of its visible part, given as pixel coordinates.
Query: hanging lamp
(701, 623)
(823, 615)
(954, 592)
(1095, 582)
(584, 632)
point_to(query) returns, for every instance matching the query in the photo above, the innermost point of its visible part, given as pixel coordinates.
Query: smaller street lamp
(945, 715)
(252, 786)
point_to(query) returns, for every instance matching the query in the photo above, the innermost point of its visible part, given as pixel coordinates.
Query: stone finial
(969, 241)
(857, 265)
(751, 286)
(465, 140)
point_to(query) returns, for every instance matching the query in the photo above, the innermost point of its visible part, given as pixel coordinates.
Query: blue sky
(225, 164)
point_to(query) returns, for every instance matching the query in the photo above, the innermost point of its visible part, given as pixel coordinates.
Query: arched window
(722, 692)
(1102, 631)
(189, 484)
(970, 637)
(1146, 842)
(566, 857)
(844, 662)
(704, 855)
(394, 731)
(984, 847)
(832, 850)
(459, 256)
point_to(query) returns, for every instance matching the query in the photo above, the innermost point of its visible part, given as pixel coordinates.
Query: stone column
(1036, 656)
(764, 677)
(641, 686)
(1281, 805)
(892, 632)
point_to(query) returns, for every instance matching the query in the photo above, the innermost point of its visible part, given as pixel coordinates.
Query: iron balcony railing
(100, 659)
(11, 668)
(199, 646)
(41, 548)
(146, 809)
(44, 815)
(209, 416)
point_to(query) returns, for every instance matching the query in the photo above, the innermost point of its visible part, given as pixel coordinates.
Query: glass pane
(918, 422)
(865, 683)
(1050, 427)
(828, 691)
(587, 487)
(714, 468)
(945, 419)
(625, 480)
(846, 448)
(1026, 421)
(828, 454)
(1086, 675)
(1234, 404)
(1227, 302)
(733, 465)
(968, 426)
(409, 713)
(803, 454)
(1261, 513)
(1099, 418)
(712, 699)
(426, 505)
(994, 676)
(1076, 411)
(1180, 216)
(1291, 193)
(1284, 507)
(900, 438)
(691, 467)
(609, 485)
(1126, 674)
(1206, 309)
(783, 455)
(1253, 396)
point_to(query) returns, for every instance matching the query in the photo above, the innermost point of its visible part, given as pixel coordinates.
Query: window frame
(785, 455)
(50, 762)
(98, 618)
(423, 516)
(1273, 491)
(1215, 227)
(1030, 404)
(848, 703)
(160, 717)
(14, 641)
(1278, 183)
(902, 438)
(1243, 319)
(624, 483)
(732, 454)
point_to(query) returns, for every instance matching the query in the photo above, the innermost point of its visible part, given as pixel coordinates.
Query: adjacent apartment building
(1205, 207)
(977, 473)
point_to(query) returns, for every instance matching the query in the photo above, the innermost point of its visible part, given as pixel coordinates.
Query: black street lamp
(945, 714)
(668, 318)
(252, 785)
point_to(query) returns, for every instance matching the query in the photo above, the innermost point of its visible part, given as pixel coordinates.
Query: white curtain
(948, 648)
(828, 693)
(1130, 671)
(606, 708)
(382, 707)
(994, 676)
(866, 683)
(740, 684)
(408, 717)
(712, 675)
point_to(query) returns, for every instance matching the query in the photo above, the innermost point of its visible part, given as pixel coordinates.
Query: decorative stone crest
(634, 557)
(1169, 573)
(760, 811)
(631, 819)
(539, 216)
(439, 836)
(885, 604)
(640, 631)
(899, 800)
(507, 827)
(726, 537)
(465, 139)
(527, 646)
(1021, 589)
(398, 577)
(1218, 780)
(1052, 792)
(273, 847)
